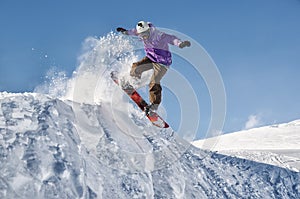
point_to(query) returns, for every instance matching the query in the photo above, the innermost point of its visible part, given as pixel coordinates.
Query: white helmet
(142, 26)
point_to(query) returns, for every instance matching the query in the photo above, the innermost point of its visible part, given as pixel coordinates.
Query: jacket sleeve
(171, 39)
(132, 32)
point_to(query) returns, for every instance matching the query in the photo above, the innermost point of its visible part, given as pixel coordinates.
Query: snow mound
(274, 137)
(277, 144)
(51, 148)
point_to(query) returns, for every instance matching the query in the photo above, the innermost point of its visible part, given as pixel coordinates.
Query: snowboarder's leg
(155, 95)
(139, 67)
(154, 86)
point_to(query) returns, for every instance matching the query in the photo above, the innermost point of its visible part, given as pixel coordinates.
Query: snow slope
(82, 138)
(276, 144)
(49, 151)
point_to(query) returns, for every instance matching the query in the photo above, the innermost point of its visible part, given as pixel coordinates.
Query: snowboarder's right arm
(127, 32)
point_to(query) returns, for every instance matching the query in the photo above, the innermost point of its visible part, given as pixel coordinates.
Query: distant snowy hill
(61, 149)
(277, 144)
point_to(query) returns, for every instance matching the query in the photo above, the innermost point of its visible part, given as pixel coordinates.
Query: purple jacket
(156, 46)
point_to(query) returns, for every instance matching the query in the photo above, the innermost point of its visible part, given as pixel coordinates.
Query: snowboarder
(158, 57)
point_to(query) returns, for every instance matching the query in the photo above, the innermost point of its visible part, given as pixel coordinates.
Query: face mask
(145, 35)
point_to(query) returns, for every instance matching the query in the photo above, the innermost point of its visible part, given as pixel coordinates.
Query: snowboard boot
(151, 107)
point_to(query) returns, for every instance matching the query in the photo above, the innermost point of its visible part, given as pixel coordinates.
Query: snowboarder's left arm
(127, 32)
(171, 39)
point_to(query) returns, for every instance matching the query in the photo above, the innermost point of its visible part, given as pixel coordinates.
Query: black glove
(122, 30)
(185, 44)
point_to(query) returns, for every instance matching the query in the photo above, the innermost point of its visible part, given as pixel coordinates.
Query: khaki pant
(159, 71)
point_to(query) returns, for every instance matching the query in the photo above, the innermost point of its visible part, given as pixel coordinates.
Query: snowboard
(140, 102)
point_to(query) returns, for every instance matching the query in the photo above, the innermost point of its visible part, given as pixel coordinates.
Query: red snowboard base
(140, 102)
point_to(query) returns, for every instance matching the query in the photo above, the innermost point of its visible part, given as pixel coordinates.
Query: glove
(122, 30)
(185, 44)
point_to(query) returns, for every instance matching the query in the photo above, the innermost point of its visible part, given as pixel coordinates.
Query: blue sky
(254, 43)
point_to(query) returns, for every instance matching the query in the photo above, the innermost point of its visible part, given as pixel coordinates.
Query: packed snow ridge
(61, 149)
